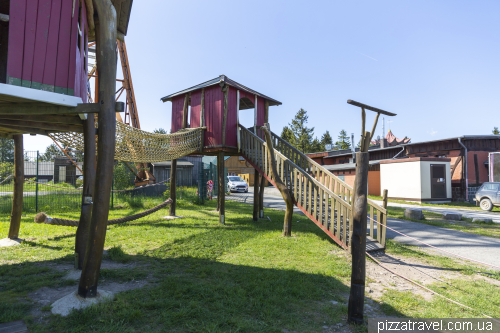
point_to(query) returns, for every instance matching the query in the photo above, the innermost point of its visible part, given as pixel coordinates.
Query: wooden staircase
(320, 195)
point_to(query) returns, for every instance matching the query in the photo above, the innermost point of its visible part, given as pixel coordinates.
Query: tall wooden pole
(82, 232)
(221, 195)
(285, 191)
(256, 195)
(106, 67)
(173, 183)
(17, 195)
(261, 196)
(358, 241)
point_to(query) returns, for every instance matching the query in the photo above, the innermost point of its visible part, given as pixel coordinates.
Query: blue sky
(434, 63)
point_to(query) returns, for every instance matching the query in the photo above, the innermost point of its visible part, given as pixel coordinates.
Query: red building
(468, 154)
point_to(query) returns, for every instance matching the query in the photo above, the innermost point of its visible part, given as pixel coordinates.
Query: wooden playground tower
(43, 90)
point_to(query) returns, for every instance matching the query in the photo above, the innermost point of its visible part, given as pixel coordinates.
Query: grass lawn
(463, 205)
(203, 277)
(480, 228)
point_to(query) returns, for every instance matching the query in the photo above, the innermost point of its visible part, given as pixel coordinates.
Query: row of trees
(301, 137)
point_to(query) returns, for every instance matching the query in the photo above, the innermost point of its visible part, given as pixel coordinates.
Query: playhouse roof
(222, 79)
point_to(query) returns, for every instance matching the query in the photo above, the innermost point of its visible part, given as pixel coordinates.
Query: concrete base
(6, 242)
(72, 301)
(414, 214)
(173, 217)
(478, 219)
(452, 216)
(73, 274)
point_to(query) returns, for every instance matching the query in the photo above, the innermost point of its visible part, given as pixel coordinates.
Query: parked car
(236, 184)
(488, 196)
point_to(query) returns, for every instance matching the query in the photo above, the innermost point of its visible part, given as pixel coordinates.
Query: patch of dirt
(413, 269)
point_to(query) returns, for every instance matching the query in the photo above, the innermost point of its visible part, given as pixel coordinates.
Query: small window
(490, 187)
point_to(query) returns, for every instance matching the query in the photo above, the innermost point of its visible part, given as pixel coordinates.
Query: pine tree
(316, 146)
(325, 140)
(287, 135)
(160, 131)
(302, 134)
(50, 151)
(6, 150)
(495, 131)
(343, 140)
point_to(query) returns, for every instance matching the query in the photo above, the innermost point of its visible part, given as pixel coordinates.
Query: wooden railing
(316, 191)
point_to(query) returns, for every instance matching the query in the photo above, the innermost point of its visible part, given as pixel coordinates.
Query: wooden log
(82, 232)
(383, 219)
(173, 186)
(285, 192)
(256, 195)
(261, 196)
(358, 241)
(106, 67)
(222, 184)
(17, 194)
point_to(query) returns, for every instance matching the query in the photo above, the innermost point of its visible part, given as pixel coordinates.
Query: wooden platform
(373, 245)
(14, 327)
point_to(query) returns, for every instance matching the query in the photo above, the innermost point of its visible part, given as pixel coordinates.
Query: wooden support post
(82, 232)
(17, 195)
(185, 111)
(285, 191)
(261, 196)
(173, 184)
(256, 195)
(221, 196)
(358, 240)
(106, 67)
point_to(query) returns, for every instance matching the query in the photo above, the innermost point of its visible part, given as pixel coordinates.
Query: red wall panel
(17, 16)
(177, 106)
(231, 121)
(63, 48)
(73, 50)
(29, 41)
(195, 109)
(49, 70)
(213, 115)
(42, 29)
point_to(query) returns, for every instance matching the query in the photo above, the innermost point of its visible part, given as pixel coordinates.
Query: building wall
(482, 156)
(374, 183)
(236, 166)
(425, 176)
(402, 180)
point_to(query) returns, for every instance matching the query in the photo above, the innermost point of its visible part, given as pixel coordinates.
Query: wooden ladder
(320, 195)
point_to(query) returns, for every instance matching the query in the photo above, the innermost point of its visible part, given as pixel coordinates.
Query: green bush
(122, 177)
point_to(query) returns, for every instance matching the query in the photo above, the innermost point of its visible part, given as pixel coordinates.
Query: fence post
(36, 184)
(113, 187)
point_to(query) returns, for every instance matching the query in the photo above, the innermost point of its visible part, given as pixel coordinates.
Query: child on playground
(210, 187)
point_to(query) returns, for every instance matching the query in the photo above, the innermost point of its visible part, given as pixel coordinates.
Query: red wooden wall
(46, 50)
(214, 113)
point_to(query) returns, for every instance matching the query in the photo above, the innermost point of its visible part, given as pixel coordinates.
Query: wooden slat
(344, 223)
(383, 230)
(371, 222)
(42, 34)
(63, 48)
(70, 81)
(315, 204)
(321, 202)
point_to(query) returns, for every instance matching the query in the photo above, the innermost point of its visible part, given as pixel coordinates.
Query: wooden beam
(24, 130)
(357, 242)
(106, 67)
(185, 111)
(7, 135)
(70, 120)
(17, 194)
(224, 120)
(16, 109)
(371, 108)
(42, 125)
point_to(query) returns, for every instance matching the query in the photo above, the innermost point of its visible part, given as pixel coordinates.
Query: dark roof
(346, 166)
(221, 80)
(345, 152)
(463, 137)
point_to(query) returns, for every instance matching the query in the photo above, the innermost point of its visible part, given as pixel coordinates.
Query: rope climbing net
(135, 145)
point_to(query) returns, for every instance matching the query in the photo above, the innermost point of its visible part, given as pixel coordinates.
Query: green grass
(204, 277)
(479, 228)
(463, 205)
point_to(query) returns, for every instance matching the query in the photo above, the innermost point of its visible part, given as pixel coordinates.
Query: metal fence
(49, 183)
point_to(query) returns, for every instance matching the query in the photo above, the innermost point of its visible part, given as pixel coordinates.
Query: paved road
(468, 213)
(481, 248)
